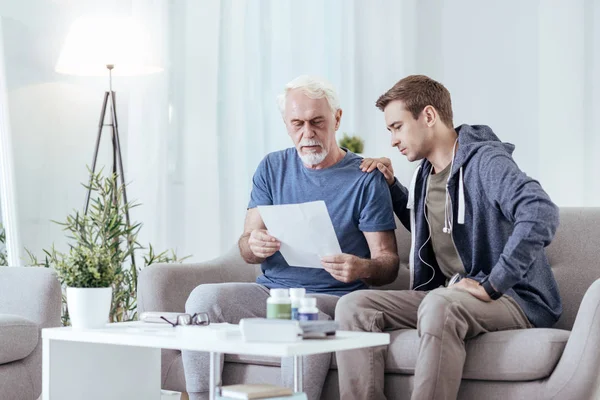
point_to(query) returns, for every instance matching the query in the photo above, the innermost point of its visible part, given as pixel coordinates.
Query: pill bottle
(279, 305)
(296, 295)
(308, 309)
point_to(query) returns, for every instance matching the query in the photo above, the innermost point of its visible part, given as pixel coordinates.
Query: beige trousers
(444, 318)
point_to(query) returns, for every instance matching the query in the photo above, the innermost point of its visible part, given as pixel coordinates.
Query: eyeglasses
(187, 319)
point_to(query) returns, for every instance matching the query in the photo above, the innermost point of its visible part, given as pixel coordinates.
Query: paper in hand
(305, 231)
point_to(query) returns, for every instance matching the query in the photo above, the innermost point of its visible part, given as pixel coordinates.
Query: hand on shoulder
(383, 164)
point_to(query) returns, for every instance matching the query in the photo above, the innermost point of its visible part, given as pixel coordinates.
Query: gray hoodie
(503, 220)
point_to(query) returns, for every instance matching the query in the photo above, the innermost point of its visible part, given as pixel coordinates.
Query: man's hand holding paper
(345, 267)
(304, 230)
(262, 244)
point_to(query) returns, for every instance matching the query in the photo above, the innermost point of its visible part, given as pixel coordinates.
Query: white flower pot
(89, 307)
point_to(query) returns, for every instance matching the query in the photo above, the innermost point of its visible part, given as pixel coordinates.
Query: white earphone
(447, 221)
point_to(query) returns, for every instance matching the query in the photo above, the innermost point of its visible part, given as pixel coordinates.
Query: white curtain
(505, 64)
(194, 134)
(8, 205)
(228, 60)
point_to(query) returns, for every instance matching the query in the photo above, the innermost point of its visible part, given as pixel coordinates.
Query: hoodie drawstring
(461, 198)
(411, 189)
(410, 204)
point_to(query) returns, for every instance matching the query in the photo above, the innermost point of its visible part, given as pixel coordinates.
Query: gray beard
(313, 158)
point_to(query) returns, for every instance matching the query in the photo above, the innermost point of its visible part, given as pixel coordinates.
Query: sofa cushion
(516, 355)
(18, 337)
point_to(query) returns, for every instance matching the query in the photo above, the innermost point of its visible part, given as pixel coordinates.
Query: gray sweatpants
(444, 318)
(230, 302)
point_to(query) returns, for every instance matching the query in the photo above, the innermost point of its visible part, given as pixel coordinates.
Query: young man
(361, 212)
(472, 213)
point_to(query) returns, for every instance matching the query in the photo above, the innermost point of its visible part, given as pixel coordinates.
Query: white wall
(194, 134)
(529, 70)
(592, 98)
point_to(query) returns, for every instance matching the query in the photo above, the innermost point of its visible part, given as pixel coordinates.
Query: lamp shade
(94, 42)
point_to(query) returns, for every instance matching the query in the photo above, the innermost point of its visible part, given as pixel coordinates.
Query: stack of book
(318, 329)
(258, 391)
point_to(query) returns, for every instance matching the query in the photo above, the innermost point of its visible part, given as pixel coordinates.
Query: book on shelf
(295, 396)
(255, 391)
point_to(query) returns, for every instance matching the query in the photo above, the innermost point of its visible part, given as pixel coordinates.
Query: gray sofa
(30, 299)
(559, 363)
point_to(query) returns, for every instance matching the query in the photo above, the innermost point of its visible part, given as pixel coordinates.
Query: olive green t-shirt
(443, 246)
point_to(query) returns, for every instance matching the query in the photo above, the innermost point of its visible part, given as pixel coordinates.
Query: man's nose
(395, 141)
(308, 131)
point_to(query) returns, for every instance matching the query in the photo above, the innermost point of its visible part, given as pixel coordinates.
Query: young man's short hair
(418, 92)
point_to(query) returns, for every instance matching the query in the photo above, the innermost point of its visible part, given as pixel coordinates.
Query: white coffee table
(123, 361)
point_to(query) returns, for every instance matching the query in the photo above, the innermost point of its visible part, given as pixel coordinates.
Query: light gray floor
(170, 395)
(165, 395)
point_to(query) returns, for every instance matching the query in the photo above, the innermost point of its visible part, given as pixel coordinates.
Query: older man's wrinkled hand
(344, 267)
(262, 244)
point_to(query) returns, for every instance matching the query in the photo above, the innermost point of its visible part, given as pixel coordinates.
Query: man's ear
(430, 114)
(338, 118)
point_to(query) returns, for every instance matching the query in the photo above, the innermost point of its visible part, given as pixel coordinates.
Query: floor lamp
(93, 47)
(117, 167)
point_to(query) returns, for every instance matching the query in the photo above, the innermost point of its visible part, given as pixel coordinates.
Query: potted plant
(88, 274)
(99, 262)
(353, 143)
(92, 267)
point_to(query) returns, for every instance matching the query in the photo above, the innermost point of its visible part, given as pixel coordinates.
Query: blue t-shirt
(357, 202)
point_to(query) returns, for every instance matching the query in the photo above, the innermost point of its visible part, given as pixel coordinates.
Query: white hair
(313, 87)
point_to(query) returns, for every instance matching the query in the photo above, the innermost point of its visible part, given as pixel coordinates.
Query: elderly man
(361, 211)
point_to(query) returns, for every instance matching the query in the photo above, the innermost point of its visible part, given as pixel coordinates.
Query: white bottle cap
(297, 292)
(279, 293)
(308, 302)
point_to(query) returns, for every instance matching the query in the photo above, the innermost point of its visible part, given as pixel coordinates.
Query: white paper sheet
(305, 231)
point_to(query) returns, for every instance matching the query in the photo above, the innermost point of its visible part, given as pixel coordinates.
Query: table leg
(298, 374)
(215, 374)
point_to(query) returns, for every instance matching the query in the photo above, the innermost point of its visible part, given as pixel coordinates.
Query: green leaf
(100, 248)
(353, 143)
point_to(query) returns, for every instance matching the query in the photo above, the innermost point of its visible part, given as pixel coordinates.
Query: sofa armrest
(166, 287)
(31, 292)
(576, 374)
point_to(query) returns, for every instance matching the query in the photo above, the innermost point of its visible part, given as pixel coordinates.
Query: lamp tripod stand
(117, 167)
